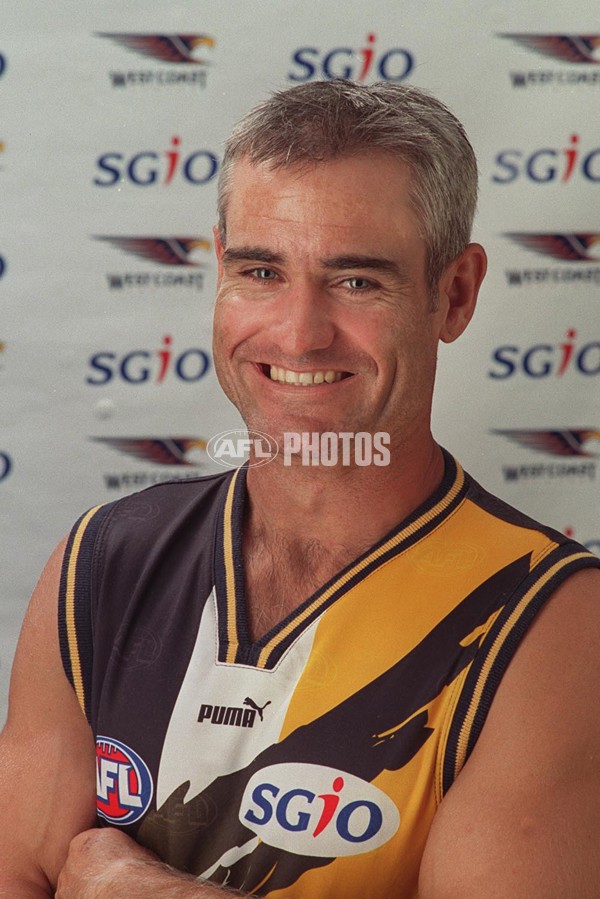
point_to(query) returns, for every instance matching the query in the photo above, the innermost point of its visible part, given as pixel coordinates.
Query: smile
(303, 378)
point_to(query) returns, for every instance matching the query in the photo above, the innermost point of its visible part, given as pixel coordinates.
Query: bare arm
(47, 760)
(523, 818)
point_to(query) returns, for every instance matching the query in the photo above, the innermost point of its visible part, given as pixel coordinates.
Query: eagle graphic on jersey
(160, 451)
(381, 727)
(176, 48)
(567, 247)
(162, 250)
(555, 443)
(578, 48)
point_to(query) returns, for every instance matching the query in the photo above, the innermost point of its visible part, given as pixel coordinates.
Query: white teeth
(303, 378)
(277, 374)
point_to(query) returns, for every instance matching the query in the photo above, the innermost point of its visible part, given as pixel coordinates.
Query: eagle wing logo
(577, 48)
(159, 451)
(162, 250)
(177, 48)
(364, 734)
(567, 247)
(555, 443)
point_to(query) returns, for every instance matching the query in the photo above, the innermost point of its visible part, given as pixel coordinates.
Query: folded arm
(47, 757)
(107, 864)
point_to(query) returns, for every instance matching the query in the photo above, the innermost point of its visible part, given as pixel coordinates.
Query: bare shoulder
(523, 817)
(46, 751)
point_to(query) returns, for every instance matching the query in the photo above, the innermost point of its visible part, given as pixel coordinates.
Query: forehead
(363, 197)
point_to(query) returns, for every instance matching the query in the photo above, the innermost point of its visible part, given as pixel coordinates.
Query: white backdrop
(113, 118)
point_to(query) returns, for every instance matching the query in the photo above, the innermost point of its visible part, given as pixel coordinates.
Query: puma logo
(258, 708)
(232, 716)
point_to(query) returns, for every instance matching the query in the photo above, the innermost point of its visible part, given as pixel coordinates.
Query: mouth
(303, 378)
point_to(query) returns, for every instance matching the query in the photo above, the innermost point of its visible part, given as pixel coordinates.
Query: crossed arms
(522, 819)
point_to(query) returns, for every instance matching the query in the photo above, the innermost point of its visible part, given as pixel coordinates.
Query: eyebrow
(376, 263)
(261, 254)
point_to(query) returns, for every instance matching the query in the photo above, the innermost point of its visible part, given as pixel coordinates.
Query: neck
(353, 506)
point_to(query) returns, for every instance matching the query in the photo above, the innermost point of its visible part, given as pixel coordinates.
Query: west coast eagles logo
(176, 48)
(575, 48)
(160, 451)
(567, 247)
(555, 443)
(162, 250)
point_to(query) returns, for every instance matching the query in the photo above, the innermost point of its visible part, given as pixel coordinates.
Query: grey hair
(324, 120)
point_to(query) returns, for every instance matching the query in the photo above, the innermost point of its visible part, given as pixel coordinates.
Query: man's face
(323, 320)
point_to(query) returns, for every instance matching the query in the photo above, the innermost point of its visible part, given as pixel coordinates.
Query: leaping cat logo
(260, 709)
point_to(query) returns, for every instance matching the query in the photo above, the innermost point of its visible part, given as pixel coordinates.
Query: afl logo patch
(124, 786)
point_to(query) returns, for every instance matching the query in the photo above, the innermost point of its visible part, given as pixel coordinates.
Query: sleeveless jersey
(310, 763)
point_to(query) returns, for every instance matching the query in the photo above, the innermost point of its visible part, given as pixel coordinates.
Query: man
(315, 680)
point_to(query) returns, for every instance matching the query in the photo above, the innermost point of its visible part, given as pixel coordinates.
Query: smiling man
(306, 681)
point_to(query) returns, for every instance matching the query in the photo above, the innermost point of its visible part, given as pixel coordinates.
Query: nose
(306, 323)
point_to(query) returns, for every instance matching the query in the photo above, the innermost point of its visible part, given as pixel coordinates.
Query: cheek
(224, 337)
(228, 325)
(236, 319)
(406, 351)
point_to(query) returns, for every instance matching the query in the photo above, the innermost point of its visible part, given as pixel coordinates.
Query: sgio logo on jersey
(317, 811)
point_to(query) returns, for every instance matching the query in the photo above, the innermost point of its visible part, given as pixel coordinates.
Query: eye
(263, 274)
(358, 283)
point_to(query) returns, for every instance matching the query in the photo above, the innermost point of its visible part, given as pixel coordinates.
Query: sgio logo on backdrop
(592, 545)
(355, 63)
(160, 168)
(545, 360)
(2, 266)
(549, 165)
(5, 466)
(2, 65)
(149, 366)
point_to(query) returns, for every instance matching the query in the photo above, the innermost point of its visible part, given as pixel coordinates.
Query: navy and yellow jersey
(310, 763)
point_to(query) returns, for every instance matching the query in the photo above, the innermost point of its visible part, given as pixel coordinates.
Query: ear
(219, 247)
(459, 288)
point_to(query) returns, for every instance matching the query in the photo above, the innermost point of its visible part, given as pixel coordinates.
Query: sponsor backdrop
(113, 120)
